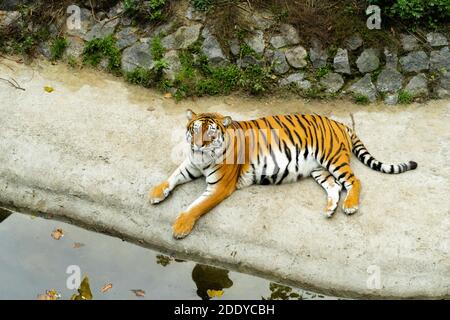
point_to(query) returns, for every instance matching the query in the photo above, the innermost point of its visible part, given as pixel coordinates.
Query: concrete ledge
(90, 150)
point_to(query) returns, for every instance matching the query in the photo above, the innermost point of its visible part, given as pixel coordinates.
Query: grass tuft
(98, 49)
(58, 47)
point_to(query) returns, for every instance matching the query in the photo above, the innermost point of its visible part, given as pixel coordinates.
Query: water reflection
(210, 280)
(4, 214)
(163, 260)
(33, 263)
(280, 292)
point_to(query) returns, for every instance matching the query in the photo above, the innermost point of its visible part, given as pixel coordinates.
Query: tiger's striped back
(284, 148)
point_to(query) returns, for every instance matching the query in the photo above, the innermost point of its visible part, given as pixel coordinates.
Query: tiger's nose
(198, 141)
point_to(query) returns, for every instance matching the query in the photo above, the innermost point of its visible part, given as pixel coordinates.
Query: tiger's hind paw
(351, 203)
(331, 207)
(329, 213)
(349, 210)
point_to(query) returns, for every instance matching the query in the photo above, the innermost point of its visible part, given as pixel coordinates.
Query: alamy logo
(74, 280)
(374, 20)
(73, 22)
(374, 280)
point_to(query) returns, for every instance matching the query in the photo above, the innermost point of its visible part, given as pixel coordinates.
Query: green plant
(332, 50)
(405, 97)
(186, 79)
(144, 10)
(98, 49)
(25, 45)
(255, 79)
(374, 75)
(349, 9)
(156, 48)
(280, 13)
(221, 80)
(323, 71)
(313, 92)
(240, 33)
(158, 69)
(72, 62)
(281, 292)
(155, 9)
(361, 99)
(140, 76)
(201, 63)
(202, 5)
(246, 50)
(416, 12)
(20, 39)
(196, 47)
(58, 47)
(129, 5)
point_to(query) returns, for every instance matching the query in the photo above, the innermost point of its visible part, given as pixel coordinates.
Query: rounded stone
(332, 82)
(297, 57)
(368, 61)
(389, 80)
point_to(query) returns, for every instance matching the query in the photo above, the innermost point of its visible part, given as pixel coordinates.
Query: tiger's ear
(190, 114)
(226, 121)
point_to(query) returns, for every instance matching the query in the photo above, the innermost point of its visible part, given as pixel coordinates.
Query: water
(32, 262)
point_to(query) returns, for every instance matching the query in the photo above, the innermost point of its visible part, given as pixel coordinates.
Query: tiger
(276, 149)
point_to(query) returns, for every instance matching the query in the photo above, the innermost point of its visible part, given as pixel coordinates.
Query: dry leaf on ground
(57, 234)
(106, 287)
(77, 245)
(49, 89)
(51, 294)
(214, 293)
(139, 292)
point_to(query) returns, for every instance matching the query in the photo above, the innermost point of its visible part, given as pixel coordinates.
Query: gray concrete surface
(90, 150)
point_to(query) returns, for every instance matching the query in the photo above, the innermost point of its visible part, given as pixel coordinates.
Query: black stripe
(339, 167)
(216, 180)
(285, 174)
(190, 174)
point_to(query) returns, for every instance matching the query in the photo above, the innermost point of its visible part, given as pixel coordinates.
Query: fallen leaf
(51, 294)
(84, 291)
(106, 287)
(49, 89)
(168, 95)
(214, 293)
(77, 245)
(139, 292)
(57, 234)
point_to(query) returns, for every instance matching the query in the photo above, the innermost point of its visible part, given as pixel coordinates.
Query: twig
(114, 17)
(20, 60)
(9, 67)
(353, 121)
(92, 10)
(14, 83)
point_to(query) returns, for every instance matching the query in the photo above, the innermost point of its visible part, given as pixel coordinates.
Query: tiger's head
(206, 132)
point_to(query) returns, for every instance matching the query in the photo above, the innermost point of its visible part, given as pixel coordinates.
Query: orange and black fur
(270, 150)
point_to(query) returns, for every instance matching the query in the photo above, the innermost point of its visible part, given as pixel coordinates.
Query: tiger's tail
(361, 152)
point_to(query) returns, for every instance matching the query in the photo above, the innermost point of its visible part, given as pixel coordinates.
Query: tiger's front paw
(159, 193)
(183, 226)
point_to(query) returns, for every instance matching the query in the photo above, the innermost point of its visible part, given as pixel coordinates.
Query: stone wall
(417, 69)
